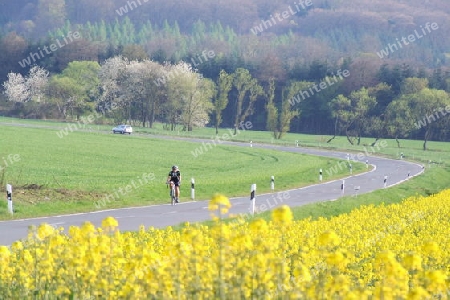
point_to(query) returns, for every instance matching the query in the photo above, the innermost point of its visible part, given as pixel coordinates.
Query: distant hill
(330, 28)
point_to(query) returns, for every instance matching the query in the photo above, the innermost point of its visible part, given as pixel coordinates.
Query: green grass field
(61, 175)
(53, 175)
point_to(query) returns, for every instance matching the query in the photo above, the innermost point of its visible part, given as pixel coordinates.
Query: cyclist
(175, 176)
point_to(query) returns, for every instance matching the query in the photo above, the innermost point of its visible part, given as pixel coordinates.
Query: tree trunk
(348, 138)
(374, 143)
(398, 142)
(427, 137)
(335, 130)
(151, 118)
(332, 138)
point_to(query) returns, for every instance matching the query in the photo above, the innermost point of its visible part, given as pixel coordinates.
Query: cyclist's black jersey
(175, 176)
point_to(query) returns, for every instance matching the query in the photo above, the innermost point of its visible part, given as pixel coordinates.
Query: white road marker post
(367, 163)
(357, 188)
(272, 183)
(351, 168)
(385, 181)
(251, 144)
(343, 186)
(296, 143)
(9, 197)
(192, 189)
(252, 197)
(320, 175)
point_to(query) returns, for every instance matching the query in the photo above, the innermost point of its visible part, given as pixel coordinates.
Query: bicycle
(172, 193)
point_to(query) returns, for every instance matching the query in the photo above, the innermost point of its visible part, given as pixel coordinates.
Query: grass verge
(86, 171)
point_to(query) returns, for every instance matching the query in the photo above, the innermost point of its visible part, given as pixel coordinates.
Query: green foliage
(309, 47)
(244, 83)
(224, 85)
(352, 112)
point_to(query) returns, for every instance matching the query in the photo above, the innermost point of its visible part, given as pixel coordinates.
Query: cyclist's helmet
(174, 168)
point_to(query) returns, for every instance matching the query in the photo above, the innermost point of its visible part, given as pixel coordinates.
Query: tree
(12, 54)
(111, 76)
(37, 82)
(51, 14)
(429, 109)
(86, 74)
(225, 83)
(76, 50)
(376, 119)
(197, 104)
(16, 88)
(352, 112)
(425, 111)
(413, 85)
(29, 88)
(399, 119)
(340, 110)
(272, 111)
(245, 83)
(189, 97)
(141, 96)
(279, 120)
(65, 93)
(135, 52)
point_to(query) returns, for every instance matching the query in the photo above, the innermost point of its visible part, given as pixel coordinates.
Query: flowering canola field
(399, 251)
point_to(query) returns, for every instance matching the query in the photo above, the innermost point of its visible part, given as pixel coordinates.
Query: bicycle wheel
(172, 196)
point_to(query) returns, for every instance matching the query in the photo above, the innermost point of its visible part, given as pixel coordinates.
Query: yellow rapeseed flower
(329, 238)
(4, 253)
(44, 231)
(336, 259)
(282, 214)
(430, 248)
(418, 293)
(258, 225)
(221, 202)
(373, 252)
(219, 199)
(110, 222)
(412, 262)
(17, 245)
(436, 277)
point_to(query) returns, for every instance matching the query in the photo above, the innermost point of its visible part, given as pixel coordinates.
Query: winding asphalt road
(159, 216)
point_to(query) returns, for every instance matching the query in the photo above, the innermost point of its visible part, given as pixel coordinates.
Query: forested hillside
(285, 46)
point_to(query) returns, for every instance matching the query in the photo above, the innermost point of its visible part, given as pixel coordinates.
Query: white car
(123, 129)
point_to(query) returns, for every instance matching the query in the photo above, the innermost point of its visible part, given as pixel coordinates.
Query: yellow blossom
(329, 238)
(436, 277)
(430, 248)
(258, 224)
(109, 222)
(418, 293)
(374, 252)
(219, 201)
(282, 214)
(412, 262)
